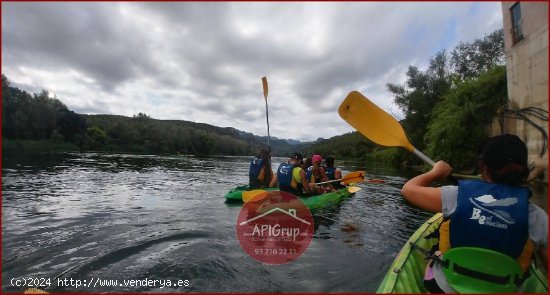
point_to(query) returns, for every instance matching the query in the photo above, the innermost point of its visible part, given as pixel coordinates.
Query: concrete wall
(527, 73)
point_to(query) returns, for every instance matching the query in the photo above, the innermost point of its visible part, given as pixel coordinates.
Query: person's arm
(323, 174)
(418, 191)
(311, 179)
(305, 182)
(337, 174)
(325, 178)
(273, 182)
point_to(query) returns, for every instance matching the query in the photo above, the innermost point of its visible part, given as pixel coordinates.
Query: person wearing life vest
(260, 172)
(316, 174)
(332, 172)
(306, 163)
(291, 177)
(493, 213)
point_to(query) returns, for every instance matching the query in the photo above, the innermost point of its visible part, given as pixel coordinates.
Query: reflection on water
(122, 217)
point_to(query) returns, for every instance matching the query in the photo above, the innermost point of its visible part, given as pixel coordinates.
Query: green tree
(460, 121)
(72, 126)
(203, 143)
(141, 115)
(424, 90)
(349, 145)
(420, 93)
(122, 133)
(45, 114)
(469, 60)
(28, 116)
(96, 138)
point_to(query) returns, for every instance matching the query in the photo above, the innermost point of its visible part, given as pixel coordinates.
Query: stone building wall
(527, 74)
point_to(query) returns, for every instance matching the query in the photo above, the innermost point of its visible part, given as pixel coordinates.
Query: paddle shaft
(264, 85)
(267, 119)
(330, 181)
(357, 175)
(423, 157)
(451, 177)
(359, 179)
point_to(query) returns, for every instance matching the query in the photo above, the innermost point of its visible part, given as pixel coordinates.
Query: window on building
(517, 32)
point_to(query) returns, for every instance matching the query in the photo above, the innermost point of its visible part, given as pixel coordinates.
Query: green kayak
(312, 202)
(236, 194)
(406, 273)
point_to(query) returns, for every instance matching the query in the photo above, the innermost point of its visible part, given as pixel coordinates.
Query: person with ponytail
(333, 172)
(493, 213)
(315, 173)
(260, 172)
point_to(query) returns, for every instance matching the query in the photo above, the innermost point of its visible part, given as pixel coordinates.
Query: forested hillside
(349, 145)
(40, 120)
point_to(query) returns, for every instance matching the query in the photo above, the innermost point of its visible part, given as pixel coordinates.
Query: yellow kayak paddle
(350, 178)
(249, 195)
(353, 177)
(375, 124)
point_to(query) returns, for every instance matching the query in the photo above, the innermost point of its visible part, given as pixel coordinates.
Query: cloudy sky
(203, 62)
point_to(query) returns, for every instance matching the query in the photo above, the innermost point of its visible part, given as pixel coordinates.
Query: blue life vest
(256, 166)
(329, 171)
(284, 175)
(492, 216)
(309, 171)
(255, 181)
(309, 174)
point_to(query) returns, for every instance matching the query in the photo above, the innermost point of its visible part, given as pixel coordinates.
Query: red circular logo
(275, 227)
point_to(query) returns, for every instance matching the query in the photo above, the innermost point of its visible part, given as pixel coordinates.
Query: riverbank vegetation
(41, 122)
(447, 107)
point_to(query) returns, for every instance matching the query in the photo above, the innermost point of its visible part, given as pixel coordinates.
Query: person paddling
(333, 172)
(291, 177)
(260, 172)
(493, 213)
(316, 173)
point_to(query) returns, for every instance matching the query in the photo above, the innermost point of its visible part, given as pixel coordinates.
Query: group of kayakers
(296, 176)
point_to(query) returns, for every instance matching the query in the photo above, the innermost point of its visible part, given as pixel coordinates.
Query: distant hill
(293, 142)
(40, 120)
(349, 145)
(142, 133)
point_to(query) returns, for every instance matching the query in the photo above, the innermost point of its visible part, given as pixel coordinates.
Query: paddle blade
(373, 122)
(374, 181)
(264, 83)
(354, 177)
(353, 189)
(249, 195)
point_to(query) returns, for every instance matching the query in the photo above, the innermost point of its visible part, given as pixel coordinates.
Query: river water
(94, 218)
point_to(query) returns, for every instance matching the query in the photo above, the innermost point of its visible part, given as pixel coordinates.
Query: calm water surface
(114, 216)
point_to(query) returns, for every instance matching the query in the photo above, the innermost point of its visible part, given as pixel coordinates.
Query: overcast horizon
(203, 62)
